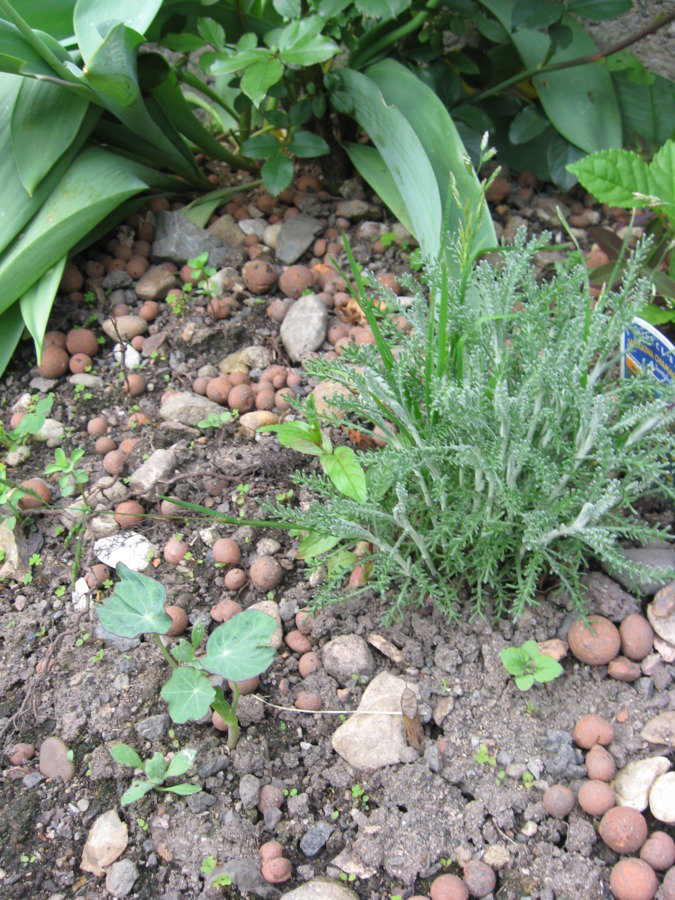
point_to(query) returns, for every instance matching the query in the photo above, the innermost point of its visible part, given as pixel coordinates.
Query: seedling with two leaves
(156, 770)
(237, 650)
(72, 477)
(528, 664)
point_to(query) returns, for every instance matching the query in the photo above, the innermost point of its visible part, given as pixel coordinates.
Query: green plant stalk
(228, 712)
(165, 653)
(362, 57)
(40, 48)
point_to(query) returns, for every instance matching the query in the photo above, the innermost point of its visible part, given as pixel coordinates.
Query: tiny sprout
(483, 757)
(528, 779)
(528, 664)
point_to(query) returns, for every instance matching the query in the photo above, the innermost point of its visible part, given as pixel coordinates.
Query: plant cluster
(236, 650)
(156, 771)
(528, 664)
(511, 449)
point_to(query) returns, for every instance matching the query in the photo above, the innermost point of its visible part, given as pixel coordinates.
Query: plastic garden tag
(645, 346)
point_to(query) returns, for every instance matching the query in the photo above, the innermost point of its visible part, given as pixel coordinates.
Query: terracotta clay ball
(167, 508)
(199, 385)
(559, 801)
(592, 729)
(623, 829)
(149, 310)
(271, 797)
(54, 339)
(127, 445)
(238, 378)
(219, 308)
(40, 488)
(79, 363)
(271, 850)
(637, 637)
(129, 513)
(15, 419)
(235, 579)
(658, 851)
(226, 551)
(596, 797)
(479, 878)
(94, 268)
(281, 400)
(295, 280)
(260, 276)
(448, 887)
(81, 340)
(600, 764)
(105, 445)
(174, 551)
(595, 641)
(241, 397)
(71, 280)
(218, 389)
(137, 266)
(97, 426)
(265, 400)
(247, 686)
(277, 870)
(179, 620)
(633, 879)
(266, 573)
(308, 663)
(121, 309)
(623, 669)
(54, 363)
(135, 384)
(96, 576)
(224, 610)
(310, 701)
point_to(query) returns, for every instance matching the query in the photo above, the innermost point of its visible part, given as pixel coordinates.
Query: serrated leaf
(305, 145)
(183, 790)
(188, 694)
(137, 790)
(277, 174)
(226, 63)
(662, 170)
(302, 44)
(524, 682)
(181, 763)
(126, 756)
(136, 606)
(531, 648)
(615, 177)
(155, 768)
(513, 659)
(240, 648)
(346, 473)
(546, 668)
(260, 77)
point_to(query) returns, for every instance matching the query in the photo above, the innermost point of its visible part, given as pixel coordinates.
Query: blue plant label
(644, 347)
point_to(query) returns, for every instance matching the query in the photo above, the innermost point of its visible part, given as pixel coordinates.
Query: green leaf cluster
(528, 664)
(156, 770)
(71, 477)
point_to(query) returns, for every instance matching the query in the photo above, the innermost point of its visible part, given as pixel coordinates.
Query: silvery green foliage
(512, 447)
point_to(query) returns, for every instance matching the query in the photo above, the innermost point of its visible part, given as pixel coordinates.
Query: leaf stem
(165, 653)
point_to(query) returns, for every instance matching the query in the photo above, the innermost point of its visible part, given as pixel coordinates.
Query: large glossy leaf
(94, 185)
(93, 20)
(647, 108)
(136, 606)
(17, 55)
(302, 43)
(53, 16)
(404, 156)
(11, 329)
(188, 694)
(36, 304)
(46, 119)
(579, 101)
(442, 144)
(373, 169)
(240, 648)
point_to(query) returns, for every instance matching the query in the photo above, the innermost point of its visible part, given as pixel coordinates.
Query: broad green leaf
(17, 55)
(536, 13)
(441, 143)
(304, 144)
(188, 694)
(46, 119)
(227, 62)
(546, 669)
(94, 19)
(260, 146)
(36, 304)
(289, 9)
(596, 10)
(181, 763)
(197, 634)
(662, 171)
(531, 648)
(403, 154)
(182, 43)
(299, 436)
(277, 173)
(527, 125)
(382, 9)
(126, 756)
(346, 473)
(183, 790)
(54, 17)
(559, 156)
(514, 659)
(240, 648)
(155, 768)
(524, 682)
(340, 562)
(302, 44)
(136, 606)
(647, 107)
(260, 77)
(615, 177)
(579, 101)
(316, 545)
(373, 169)
(137, 790)
(212, 32)
(183, 652)
(328, 9)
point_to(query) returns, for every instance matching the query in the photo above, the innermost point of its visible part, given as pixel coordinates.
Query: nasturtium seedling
(528, 664)
(157, 771)
(237, 650)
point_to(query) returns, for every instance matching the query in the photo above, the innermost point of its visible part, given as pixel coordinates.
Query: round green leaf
(277, 173)
(136, 606)
(188, 694)
(261, 146)
(524, 682)
(240, 648)
(546, 668)
(260, 77)
(305, 144)
(126, 756)
(346, 473)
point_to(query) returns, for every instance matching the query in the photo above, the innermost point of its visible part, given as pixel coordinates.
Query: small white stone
(662, 798)
(632, 783)
(128, 354)
(129, 548)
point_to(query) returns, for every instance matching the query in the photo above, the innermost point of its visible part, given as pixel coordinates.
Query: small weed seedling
(201, 272)
(528, 779)
(349, 878)
(236, 650)
(360, 797)
(156, 770)
(483, 757)
(71, 477)
(208, 865)
(216, 420)
(528, 664)
(30, 424)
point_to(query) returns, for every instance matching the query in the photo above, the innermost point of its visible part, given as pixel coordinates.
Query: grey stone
(129, 548)
(314, 839)
(124, 328)
(17, 456)
(43, 385)
(155, 284)
(609, 599)
(54, 762)
(348, 656)
(298, 805)
(32, 779)
(295, 238)
(157, 466)
(249, 791)
(655, 556)
(304, 327)
(51, 433)
(321, 889)
(116, 279)
(661, 614)
(253, 226)
(121, 878)
(271, 817)
(122, 644)
(187, 409)
(177, 239)
(355, 209)
(153, 343)
(152, 727)
(88, 380)
(562, 760)
(245, 875)
(226, 229)
(660, 730)
(200, 802)
(433, 758)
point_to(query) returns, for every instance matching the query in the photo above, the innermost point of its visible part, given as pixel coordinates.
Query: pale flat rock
(661, 729)
(129, 548)
(13, 553)
(271, 608)
(124, 328)
(661, 614)
(157, 466)
(304, 327)
(665, 649)
(321, 889)
(662, 798)
(329, 390)
(295, 236)
(372, 741)
(54, 759)
(632, 783)
(187, 408)
(106, 841)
